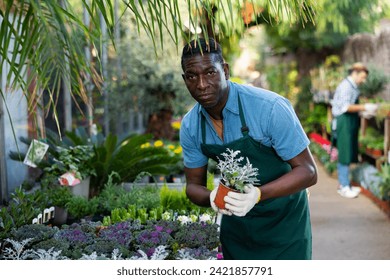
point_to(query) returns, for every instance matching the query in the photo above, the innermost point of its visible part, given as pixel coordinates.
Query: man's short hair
(358, 67)
(202, 46)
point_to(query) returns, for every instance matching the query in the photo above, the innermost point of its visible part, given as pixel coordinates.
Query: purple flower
(76, 237)
(148, 239)
(120, 232)
(159, 228)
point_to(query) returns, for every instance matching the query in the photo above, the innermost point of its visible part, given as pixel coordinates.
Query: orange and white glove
(215, 208)
(241, 203)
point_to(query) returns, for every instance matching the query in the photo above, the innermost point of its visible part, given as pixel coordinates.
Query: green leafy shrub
(376, 82)
(56, 196)
(79, 207)
(127, 157)
(21, 210)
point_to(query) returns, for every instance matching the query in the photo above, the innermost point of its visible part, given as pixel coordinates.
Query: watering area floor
(346, 229)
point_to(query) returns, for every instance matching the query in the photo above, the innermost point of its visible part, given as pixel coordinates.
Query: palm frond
(39, 46)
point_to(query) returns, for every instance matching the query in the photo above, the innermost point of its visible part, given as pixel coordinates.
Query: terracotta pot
(376, 152)
(221, 193)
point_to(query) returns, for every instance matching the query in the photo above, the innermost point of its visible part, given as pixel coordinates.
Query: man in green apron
(345, 110)
(269, 221)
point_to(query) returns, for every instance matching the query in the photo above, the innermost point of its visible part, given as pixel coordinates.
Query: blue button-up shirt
(270, 118)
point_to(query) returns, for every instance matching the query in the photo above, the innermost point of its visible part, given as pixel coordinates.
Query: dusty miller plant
(159, 254)
(234, 173)
(18, 250)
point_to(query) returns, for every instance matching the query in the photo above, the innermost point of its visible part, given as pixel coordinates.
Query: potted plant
(73, 167)
(382, 112)
(58, 197)
(234, 175)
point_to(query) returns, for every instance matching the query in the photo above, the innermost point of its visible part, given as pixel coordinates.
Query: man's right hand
(215, 208)
(370, 107)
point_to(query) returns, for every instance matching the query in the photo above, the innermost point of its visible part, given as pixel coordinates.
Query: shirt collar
(352, 81)
(232, 102)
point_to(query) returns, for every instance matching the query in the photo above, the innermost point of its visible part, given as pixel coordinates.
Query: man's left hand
(241, 203)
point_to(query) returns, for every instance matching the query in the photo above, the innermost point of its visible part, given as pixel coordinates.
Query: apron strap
(244, 128)
(203, 127)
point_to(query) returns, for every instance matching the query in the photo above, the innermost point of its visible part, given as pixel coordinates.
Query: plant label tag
(35, 153)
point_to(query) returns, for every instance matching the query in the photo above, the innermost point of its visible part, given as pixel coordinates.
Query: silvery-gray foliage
(17, 251)
(159, 254)
(115, 255)
(234, 173)
(50, 254)
(194, 254)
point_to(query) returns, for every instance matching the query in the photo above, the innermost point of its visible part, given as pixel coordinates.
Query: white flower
(206, 218)
(183, 219)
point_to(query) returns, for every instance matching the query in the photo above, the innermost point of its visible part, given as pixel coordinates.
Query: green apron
(347, 137)
(277, 228)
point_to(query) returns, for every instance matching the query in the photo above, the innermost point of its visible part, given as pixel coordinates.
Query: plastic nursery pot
(221, 193)
(60, 216)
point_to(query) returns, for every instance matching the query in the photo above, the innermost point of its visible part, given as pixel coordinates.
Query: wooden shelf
(377, 161)
(386, 144)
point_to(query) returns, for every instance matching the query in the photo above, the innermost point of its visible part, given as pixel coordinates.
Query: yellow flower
(176, 125)
(171, 147)
(146, 145)
(178, 150)
(158, 143)
(236, 80)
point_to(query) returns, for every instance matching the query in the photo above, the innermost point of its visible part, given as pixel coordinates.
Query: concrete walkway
(346, 229)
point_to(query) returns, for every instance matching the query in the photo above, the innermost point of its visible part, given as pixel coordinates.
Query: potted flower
(235, 175)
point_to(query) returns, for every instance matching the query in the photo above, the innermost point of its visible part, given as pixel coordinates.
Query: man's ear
(226, 70)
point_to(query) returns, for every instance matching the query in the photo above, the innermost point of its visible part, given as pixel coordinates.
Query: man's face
(360, 77)
(206, 79)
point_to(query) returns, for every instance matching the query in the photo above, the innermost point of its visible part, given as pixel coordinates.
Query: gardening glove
(367, 114)
(241, 203)
(215, 208)
(370, 108)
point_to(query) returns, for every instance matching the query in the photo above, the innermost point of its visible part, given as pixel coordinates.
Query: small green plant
(57, 196)
(79, 207)
(77, 160)
(21, 210)
(382, 112)
(384, 185)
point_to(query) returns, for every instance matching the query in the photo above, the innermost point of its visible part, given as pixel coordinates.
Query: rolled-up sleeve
(192, 153)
